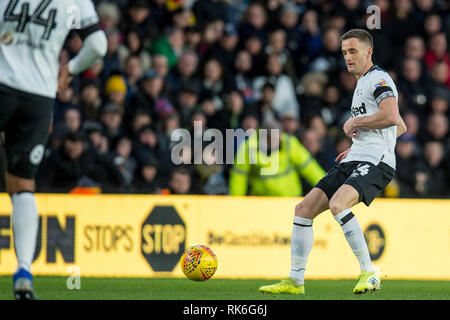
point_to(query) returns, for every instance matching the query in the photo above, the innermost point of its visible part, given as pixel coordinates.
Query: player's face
(356, 54)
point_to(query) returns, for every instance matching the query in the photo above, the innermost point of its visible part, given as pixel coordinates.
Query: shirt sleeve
(89, 20)
(381, 86)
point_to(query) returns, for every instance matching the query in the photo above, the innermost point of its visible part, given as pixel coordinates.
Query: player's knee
(301, 210)
(17, 184)
(336, 206)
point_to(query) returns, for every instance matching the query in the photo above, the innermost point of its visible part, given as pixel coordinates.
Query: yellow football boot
(286, 286)
(368, 281)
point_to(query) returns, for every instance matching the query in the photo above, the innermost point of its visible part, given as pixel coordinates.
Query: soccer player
(362, 171)
(32, 33)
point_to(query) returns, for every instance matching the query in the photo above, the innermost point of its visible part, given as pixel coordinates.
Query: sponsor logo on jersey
(356, 111)
(382, 83)
(7, 38)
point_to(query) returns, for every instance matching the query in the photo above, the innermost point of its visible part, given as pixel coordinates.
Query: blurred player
(362, 172)
(32, 34)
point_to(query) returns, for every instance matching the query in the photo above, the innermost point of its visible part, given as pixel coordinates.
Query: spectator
(330, 60)
(437, 128)
(290, 124)
(134, 46)
(310, 40)
(111, 119)
(169, 45)
(150, 90)
(192, 37)
(112, 59)
(109, 15)
(225, 49)
(280, 173)
(255, 47)
(433, 183)
(266, 109)
(211, 10)
(75, 164)
(140, 17)
(147, 146)
(285, 97)
(408, 165)
(243, 77)
(186, 103)
(123, 160)
(440, 75)
(210, 177)
(210, 35)
(90, 100)
(141, 119)
(277, 45)
(412, 83)
(412, 123)
(229, 117)
(145, 179)
(215, 82)
(437, 52)
(313, 87)
(64, 101)
(72, 119)
(288, 21)
(184, 73)
(95, 137)
(254, 22)
(160, 64)
(116, 91)
(133, 72)
(439, 101)
(179, 183)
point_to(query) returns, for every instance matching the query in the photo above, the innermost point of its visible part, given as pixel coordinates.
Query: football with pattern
(198, 263)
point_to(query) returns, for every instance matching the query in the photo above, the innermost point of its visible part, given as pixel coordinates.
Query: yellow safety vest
(277, 174)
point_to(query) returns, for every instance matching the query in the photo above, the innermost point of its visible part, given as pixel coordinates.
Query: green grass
(221, 289)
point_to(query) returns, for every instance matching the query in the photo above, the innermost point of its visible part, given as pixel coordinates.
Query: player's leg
(340, 205)
(26, 134)
(364, 184)
(302, 240)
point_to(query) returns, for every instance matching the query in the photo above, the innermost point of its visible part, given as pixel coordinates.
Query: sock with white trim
(301, 244)
(355, 238)
(25, 222)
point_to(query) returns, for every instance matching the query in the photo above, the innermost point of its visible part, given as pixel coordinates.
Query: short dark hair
(360, 34)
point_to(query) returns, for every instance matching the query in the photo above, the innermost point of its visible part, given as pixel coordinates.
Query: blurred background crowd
(243, 64)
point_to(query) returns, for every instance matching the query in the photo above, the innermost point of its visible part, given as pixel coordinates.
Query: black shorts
(25, 119)
(368, 179)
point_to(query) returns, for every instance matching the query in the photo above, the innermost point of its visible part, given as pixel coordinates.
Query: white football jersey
(373, 145)
(32, 34)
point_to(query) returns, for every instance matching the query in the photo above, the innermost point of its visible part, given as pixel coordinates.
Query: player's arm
(387, 116)
(94, 48)
(94, 45)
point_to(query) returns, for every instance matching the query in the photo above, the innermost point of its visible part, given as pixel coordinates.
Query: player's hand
(64, 77)
(350, 129)
(342, 155)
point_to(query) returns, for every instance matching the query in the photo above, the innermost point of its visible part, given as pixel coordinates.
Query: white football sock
(25, 220)
(301, 244)
(355, 238)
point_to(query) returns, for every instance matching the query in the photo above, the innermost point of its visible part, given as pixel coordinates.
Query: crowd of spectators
(241, 64)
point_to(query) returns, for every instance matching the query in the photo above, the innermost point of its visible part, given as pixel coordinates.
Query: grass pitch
(54, 288)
